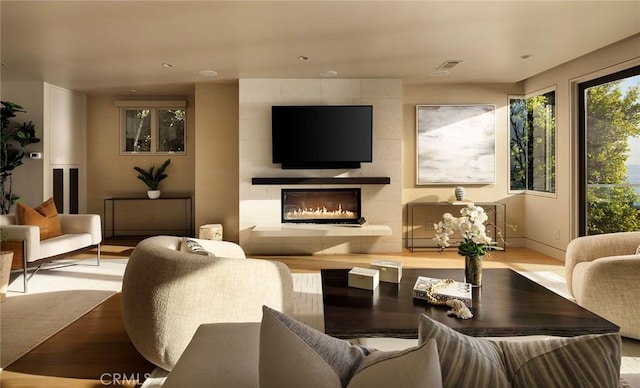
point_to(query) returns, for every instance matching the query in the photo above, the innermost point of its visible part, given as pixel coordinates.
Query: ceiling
(117, 46)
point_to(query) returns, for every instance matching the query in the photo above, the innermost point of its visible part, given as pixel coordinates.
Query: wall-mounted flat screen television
(322, 136)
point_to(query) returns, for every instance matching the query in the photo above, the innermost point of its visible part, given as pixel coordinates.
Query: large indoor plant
(152, 178)
(14, 138)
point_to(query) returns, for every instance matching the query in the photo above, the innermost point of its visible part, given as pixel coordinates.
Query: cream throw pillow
(295, 355)
(192, 246)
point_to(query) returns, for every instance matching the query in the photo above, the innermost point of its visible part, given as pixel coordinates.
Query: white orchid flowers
(471, 226)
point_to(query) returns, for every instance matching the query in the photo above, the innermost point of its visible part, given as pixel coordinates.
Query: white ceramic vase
(153, 194)
(459, 193)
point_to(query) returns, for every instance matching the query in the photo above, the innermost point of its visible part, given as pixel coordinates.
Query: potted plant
(14, 138)
(152, 178)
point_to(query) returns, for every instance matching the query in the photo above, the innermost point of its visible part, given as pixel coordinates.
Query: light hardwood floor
(96, 346)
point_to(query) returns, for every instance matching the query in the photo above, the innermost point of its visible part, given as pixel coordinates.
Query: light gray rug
(30, 319)
(72, 275)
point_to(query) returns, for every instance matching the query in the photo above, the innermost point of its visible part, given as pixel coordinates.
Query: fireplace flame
(320, 213)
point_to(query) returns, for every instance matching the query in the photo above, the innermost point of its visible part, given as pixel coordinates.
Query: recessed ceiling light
(134, 90)
(328, 73)
(303, 58)
(208, 73)
(167, 64)
(525, 56)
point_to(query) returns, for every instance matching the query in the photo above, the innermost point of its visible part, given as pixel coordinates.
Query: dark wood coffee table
(507, 304)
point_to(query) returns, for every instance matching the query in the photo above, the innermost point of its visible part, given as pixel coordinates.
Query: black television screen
(322, 136)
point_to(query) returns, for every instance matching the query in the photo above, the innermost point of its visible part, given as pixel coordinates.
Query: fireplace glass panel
(326, 206)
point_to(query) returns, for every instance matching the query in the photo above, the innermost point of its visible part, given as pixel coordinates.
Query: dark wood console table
(141, 216)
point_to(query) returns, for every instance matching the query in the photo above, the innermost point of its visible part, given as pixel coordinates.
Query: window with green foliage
(609, 151)
(153, 130)
(532, 129)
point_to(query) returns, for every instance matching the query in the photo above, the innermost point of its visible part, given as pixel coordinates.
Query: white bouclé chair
(167, 293)
(603, 274)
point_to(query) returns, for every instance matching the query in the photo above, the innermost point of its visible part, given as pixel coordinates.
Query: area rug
(70, 274)
(28, 320)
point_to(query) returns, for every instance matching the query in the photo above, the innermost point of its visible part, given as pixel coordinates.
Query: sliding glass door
(609, 149)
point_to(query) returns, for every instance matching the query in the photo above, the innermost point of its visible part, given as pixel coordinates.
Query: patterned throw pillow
(583, 361)
(45, 216)
(190, 245)
(295, 355)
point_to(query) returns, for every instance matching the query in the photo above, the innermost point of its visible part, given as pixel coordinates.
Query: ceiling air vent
(445, 67)
(448, 65)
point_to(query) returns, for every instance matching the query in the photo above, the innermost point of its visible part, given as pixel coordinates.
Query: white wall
(447, 93)
(381, 204)
(28, 181)
(65, 142)
(545, 216)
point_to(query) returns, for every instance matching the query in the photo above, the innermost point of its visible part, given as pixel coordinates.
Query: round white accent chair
(167, 293)
(603, 274)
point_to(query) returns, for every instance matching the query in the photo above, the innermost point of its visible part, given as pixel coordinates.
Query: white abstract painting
(455, 144)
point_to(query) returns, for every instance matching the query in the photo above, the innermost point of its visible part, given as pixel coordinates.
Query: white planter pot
(153, 194)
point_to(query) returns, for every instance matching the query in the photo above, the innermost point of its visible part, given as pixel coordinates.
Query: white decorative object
(365, 278)
(447, 290)
(210, 232)
(459, 193)
(390, 270)
(153, 194)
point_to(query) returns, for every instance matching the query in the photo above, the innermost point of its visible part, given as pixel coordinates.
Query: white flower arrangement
(471, 226)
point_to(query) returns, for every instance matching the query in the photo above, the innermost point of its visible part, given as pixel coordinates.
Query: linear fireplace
(321, 206)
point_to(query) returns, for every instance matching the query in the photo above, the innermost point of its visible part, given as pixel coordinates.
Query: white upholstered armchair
(603, 274)
(168, 293)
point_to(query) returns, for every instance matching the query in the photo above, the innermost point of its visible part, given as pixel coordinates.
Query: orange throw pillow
(44, 216)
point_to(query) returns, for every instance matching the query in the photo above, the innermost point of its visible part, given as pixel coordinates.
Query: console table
(140, 216)
(497, 209)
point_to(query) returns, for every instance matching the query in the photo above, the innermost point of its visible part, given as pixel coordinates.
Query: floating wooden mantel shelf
(321, 181)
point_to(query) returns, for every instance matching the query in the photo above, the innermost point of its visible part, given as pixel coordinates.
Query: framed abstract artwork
(455, 144)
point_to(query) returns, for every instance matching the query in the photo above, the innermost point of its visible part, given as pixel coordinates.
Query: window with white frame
(152, 126)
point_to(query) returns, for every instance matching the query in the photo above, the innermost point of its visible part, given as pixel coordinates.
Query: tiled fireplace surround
(261, 204)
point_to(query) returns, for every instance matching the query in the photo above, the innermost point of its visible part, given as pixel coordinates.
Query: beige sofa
(603, 274)
(79, 231)
(168, 293)
(281, 352)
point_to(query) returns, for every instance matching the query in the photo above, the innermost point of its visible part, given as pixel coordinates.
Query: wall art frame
(455, 144)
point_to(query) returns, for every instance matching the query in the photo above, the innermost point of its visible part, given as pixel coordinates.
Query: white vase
(459, 193)
(153, 194)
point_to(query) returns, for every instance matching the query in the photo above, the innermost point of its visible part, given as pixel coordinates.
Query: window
(532, 132)
(609, 153)
(152, 129)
